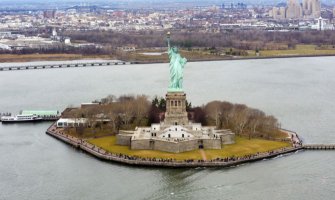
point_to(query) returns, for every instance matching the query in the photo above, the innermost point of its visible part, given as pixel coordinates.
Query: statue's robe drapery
(177, 64)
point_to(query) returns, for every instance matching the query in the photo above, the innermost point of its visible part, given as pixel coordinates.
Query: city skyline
(139, 3)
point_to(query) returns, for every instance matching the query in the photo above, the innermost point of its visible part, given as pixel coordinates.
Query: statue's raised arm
(168, 36)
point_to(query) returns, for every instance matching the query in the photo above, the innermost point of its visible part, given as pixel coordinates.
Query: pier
(319, 146)
(42, 115)
(48, 66)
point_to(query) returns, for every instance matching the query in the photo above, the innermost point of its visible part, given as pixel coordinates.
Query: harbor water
(298, 91)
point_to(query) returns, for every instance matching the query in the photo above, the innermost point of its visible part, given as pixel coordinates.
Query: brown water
(299, 91)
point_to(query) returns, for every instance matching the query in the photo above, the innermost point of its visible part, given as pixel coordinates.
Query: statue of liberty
(177, 64)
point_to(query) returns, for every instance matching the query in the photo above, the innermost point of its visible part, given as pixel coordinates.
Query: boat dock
(27, 116)
(46, 115)
(49, 66)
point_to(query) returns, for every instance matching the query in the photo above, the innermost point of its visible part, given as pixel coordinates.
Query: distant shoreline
(59, 58)
(88, 58)
(15, 58)
(239, 58)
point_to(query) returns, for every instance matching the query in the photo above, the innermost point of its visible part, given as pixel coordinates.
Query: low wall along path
(154, 162)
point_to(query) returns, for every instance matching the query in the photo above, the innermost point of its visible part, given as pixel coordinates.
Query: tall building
(279, 12)
(311, 8)
(49, 14)
(294, 10)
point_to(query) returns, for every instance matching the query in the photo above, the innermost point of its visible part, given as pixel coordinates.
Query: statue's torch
(168, 36)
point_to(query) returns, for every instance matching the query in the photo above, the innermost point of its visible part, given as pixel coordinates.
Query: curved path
(203, 154)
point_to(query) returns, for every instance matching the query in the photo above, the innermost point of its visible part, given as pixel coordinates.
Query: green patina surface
(175, 90)
(177, 64)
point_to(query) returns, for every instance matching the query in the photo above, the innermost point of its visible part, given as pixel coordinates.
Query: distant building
(5, 35)
(5, 47)
(54, 32)
(128, 48)
(72, 122)
(311, 8)
(278, 13)
(322, 24)
(49, 14)
(67, 41)
(88, 105)
(28, 43)
(54, 36)
(295, 10)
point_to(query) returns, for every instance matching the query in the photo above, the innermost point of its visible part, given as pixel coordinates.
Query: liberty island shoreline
(175, 115)
(104, 155)
(176, 132)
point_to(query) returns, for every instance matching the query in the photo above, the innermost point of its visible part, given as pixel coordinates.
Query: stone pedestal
(176, 109)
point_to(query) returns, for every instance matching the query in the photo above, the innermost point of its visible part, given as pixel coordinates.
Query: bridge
(54, 66)
(319, 146)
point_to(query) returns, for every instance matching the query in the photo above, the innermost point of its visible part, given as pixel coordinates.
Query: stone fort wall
(161, 145)
(228, 139)
(211, 144)
(123, 139)
(174, 147)
(142, 144)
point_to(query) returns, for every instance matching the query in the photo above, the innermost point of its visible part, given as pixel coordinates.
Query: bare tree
(255, 119)
(213, 111)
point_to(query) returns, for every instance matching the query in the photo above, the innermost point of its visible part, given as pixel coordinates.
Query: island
(170, 132)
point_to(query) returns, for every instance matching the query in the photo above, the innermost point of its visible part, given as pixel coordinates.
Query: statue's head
(175, 49)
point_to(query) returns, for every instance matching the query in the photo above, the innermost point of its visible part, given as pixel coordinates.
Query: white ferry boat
(20, 118)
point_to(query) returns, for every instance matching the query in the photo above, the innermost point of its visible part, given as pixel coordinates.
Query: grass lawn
(48, 57)
(88, 133)
(242, 147)
(299, 50)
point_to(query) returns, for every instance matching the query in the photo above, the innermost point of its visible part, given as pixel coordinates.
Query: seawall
(104, 155)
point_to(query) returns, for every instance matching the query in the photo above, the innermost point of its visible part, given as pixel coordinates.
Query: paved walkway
(223, 162)
(203, 154)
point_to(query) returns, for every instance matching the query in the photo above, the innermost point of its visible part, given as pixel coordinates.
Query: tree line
(241, 119)
(127, 112)
(240, 39)
(63, 49)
